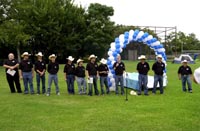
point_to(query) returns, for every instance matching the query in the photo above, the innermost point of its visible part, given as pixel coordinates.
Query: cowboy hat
(184, 61)
(51, 56)
(159, 56)
(39, 54)
(70, 58)
(92, 56)
(25, 54)
(142, 57)
(103, 61)
(79, 60)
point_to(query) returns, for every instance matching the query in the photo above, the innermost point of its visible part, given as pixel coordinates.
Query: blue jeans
(28, 78)
(95, 86)
(38, 77)
(81, 82)
(158, 78)
(52, 77)
(142, 81)
(70, 84)
(186, 78)
(104, 81)
(119, 79)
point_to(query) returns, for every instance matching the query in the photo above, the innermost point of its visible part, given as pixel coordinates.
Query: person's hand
(32, 75)
(179, 78)
(117, 64)
(20, 77)
(11, 67)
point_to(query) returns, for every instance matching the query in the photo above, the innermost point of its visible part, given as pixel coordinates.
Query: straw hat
(25, 54)
(70, 58)
(79, 60)
(184, 61)
(39, 54)
(92, 56)
(51, 56)
(142, 57)
(103, 61)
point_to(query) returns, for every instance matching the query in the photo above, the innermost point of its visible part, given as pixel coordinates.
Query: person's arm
(124, 68)
(33, 72)
(137, 67)
(65, 74)
(20, 74)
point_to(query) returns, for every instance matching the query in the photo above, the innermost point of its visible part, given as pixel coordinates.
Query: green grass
(173, 111)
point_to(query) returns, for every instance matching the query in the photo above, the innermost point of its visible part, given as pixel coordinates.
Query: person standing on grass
(185, 75)
(26, 72)
(53, 68)
(103, 73)
(80, 74)
(40, 69)
(158, 68)
(12, 75)
(69, 74)
(119, 68)
(143, 69)
(92, 74)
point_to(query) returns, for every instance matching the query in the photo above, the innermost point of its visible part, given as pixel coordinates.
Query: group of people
(91, 72)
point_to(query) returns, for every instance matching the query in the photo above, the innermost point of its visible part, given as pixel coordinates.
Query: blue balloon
(136, 32)
(117, 45)
(145, 35)
(114, 54)
(117, 40)
(113, 71)
(110, 66)
(118, 50)
(109, 84)
(109, 62)
(126, 35)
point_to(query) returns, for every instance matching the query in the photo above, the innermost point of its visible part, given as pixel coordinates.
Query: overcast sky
(181, 13)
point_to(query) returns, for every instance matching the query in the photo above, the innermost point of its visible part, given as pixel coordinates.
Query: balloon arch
(123, 40)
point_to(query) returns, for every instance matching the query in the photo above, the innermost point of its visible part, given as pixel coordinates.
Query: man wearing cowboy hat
(143, 69)
(103, 73)
(185, 75)
(119, 68)
(11, 65)
(26, 71)
(92, 73)
(69, 74)
(158, 68)
(53, 68)
(80, 74)
(40, 69)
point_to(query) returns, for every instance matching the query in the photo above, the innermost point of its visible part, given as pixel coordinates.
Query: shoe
(138, 94)
(48, 94)
(38, 94)
(190, 91)
(58, 93)
(154, 93)
(146, 94)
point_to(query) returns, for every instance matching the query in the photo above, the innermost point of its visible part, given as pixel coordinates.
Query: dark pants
(14, 79)
(158, 78)
(95, 86)
(70, 84)
(38, 77)
(104, 81)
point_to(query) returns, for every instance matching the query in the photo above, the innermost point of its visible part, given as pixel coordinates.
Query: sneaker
(58, 93)
(48, 94)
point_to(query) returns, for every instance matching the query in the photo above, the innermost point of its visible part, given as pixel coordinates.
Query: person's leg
(68, 85)
(106, 85)
(79, 81)
(72, 83)
(11, 83)
(122, 84)
(56, 84)
(30, 80)
(145, 81)
(116, 84)
(155, 83)
(189, 83)
(84, 86)
(43, 84)
(25, 80)
(102, 84)
(50, 79)
(95, 85)
(183, 79)
(17, 83)
(38, 82)
(140, 84)
(161, 84)
(90, 89)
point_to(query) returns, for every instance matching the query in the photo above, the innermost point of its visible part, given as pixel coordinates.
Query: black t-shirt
(158, 68)
(103, 67)
(80, 71)
(92, 68)
(185, 70)
(143, 68)
(26, 66)
(119, 68)
(69, 69)
(40, 65)
(11, 63)
(53, 68)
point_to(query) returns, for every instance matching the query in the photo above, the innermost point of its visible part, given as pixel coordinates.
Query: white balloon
(131, 32)
(148, 38)
(121, 50)
(110, 75)
(197, 75)
(140, 35)
(121, 38)
(112, 80)
(155, 43)
(111, 58)
(121, 44)
(112, 44)
(113, 48)
(113, 62)
(110, 53)
(161, 50)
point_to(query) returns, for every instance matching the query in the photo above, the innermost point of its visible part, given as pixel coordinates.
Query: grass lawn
(173, 111)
